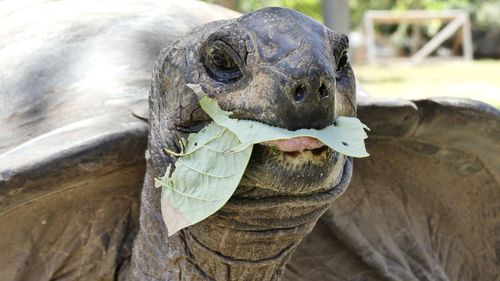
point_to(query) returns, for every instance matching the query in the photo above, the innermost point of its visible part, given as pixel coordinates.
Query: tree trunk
(231, 4)
(336, 15)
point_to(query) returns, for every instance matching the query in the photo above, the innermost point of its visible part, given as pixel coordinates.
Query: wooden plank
(438, 39)
(388, 17)
(370, 40)
(456, 19)
(467, 40)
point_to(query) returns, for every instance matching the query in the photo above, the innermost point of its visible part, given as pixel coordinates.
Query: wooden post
(467, 39)
(371, 54)
(336, 15)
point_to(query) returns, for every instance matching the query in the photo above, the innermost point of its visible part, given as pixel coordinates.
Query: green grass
(478, 80)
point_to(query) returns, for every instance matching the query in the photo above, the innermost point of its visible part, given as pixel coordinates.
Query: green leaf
(345, 136)
(211, 162)
(204, 177)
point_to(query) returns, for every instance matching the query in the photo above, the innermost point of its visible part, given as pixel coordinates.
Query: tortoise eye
(342, 61)
(221, 62)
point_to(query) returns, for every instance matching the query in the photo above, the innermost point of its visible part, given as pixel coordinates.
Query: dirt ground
(475, 79)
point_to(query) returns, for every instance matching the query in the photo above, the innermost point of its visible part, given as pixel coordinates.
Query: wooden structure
(457, 20)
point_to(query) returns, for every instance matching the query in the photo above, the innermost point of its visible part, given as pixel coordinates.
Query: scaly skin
(275, 66)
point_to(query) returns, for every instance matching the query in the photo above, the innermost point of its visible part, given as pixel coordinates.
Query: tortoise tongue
(298, 144)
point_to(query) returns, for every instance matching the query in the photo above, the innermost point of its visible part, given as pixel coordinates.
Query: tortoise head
(275, 66)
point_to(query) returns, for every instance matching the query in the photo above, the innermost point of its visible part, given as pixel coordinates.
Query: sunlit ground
(477, 80)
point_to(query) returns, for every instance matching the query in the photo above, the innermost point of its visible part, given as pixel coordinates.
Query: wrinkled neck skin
(247, 239)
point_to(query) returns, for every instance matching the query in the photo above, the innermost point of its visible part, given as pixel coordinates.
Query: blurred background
(412, 48)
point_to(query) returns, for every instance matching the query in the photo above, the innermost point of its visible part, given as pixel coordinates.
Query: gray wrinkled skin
(279, 52)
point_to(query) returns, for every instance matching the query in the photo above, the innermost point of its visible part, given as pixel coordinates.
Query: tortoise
(75, 119)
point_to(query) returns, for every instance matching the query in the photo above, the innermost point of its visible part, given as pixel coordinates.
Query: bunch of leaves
(211, 162)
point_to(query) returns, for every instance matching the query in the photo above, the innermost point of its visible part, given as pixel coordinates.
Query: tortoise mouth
(306, 148)
(292, 173)
(295, 157)
(297, 150)
(297, 144)
(315, 152)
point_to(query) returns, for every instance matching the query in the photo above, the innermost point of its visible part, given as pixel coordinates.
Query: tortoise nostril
(323, 92)
(300, 93)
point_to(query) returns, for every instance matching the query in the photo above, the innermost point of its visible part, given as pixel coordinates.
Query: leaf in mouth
(213, 161)
(204, 177)
(345, 136)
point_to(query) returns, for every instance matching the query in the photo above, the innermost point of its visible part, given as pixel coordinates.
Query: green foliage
(483, 12)
(212, 162)
(358, 8)
(311, 8)
(487, 15)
